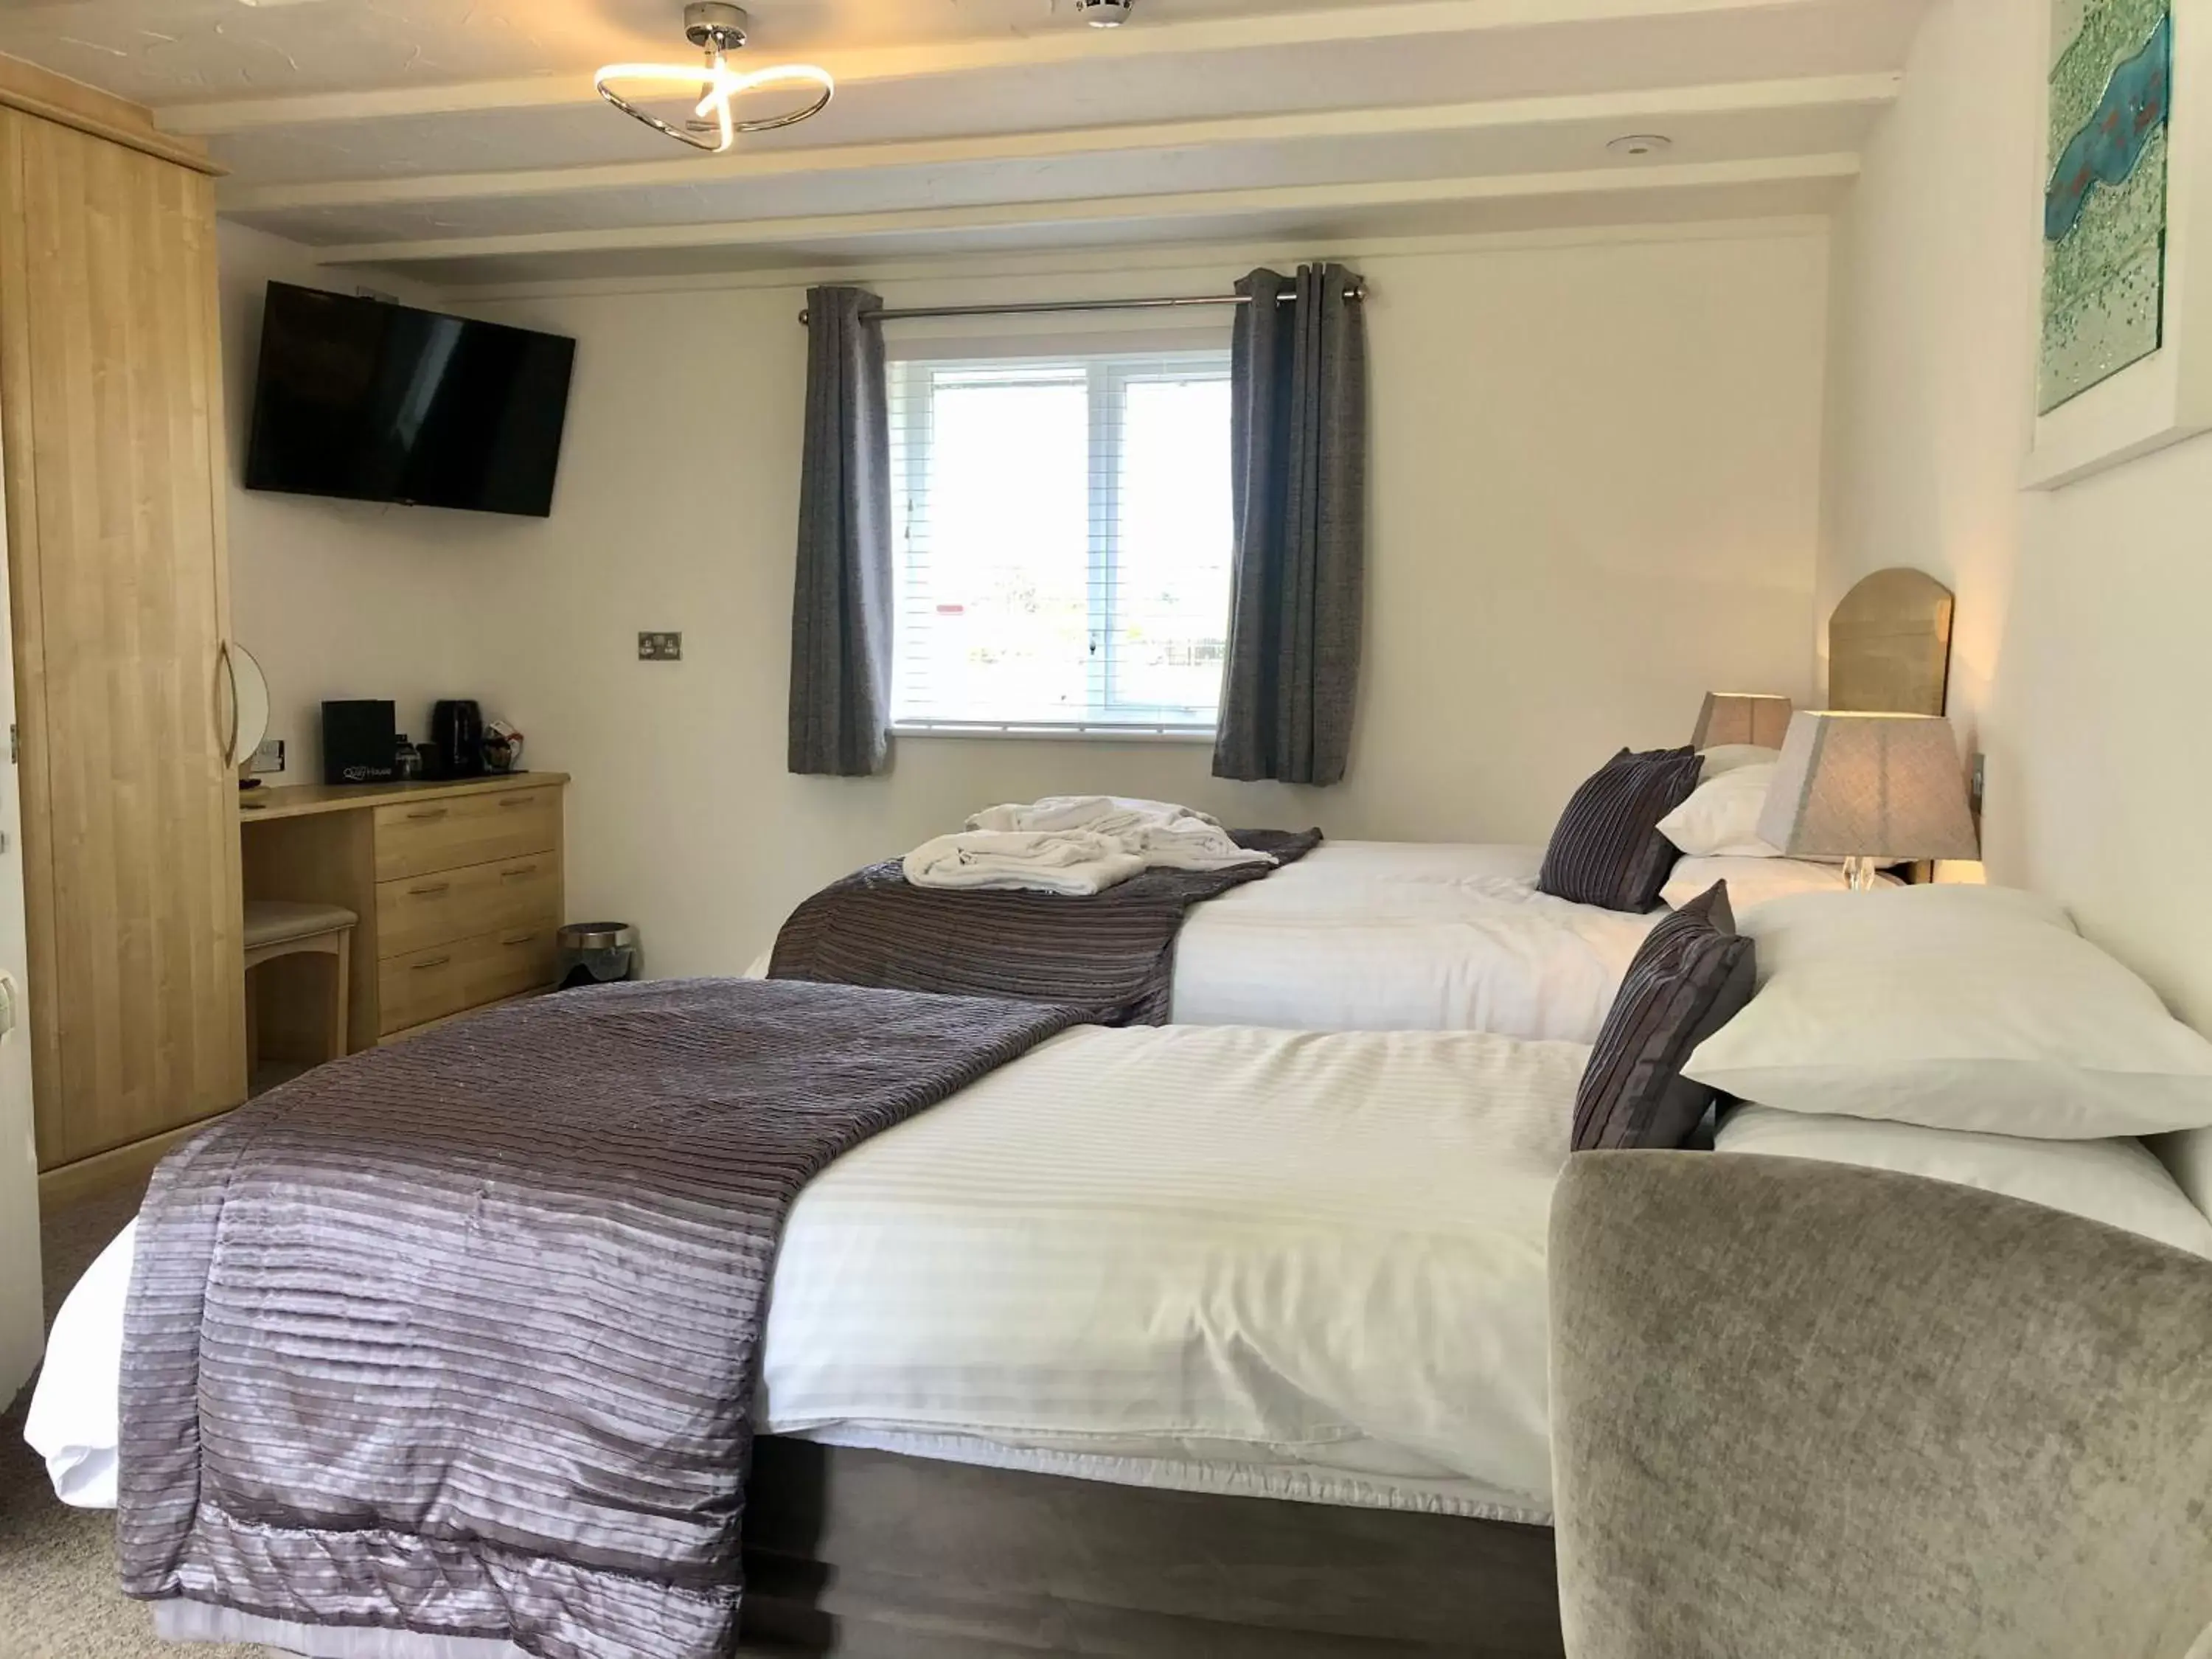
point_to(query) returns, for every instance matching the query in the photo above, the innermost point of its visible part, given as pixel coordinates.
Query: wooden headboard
(1889, 645)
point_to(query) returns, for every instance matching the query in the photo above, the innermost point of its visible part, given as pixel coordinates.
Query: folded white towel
(1165, 835)
(1069, 862)
(1105, 815)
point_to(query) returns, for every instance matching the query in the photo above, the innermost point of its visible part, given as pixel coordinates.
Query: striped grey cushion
(1692, 976)
(1607, 850)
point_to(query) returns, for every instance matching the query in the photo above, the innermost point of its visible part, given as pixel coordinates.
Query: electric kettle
(457, 739)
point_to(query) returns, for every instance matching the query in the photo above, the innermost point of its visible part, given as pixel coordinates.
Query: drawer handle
(519, 873)
(434, 962)
(519, 939)
(432, 892)
(516, 800)
(423, 814)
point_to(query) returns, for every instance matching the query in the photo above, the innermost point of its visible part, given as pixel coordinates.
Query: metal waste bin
(597, 953)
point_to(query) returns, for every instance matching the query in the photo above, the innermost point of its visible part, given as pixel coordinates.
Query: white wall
(334, 598)
(1595, 486)
(2082, 666)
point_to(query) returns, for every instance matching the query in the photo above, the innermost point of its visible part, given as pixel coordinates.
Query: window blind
(1063, 542)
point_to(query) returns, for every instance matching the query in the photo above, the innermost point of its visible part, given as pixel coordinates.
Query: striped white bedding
(1400, 936)
(1405, 936)
(1299, 1264)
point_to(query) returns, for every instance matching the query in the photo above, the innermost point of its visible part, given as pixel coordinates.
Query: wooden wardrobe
(111, 419)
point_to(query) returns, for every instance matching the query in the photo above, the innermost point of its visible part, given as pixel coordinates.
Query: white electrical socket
(268, 758)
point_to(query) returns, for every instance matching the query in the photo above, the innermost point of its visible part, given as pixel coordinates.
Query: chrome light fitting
(718, 30)
(1104, 13)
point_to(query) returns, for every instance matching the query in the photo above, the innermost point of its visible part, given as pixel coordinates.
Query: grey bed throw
(460, 1336)
(1111, 954)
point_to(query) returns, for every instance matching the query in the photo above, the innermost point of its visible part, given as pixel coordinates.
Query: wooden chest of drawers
(465, 832)
(445, 979)
(458, 888)
(439, 906)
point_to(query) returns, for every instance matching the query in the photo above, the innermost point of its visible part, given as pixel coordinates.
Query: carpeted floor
(58, 1595)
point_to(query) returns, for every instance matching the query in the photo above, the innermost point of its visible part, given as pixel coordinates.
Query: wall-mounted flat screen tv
(372, 402)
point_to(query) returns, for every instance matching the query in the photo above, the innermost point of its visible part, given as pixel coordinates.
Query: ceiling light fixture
(1105, 14)
(1642, 143)
(718, 30)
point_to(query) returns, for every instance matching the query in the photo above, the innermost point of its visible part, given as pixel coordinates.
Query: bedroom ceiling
(460, 141)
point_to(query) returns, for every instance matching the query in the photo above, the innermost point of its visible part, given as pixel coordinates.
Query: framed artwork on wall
(2123, 355)
(2104, 207)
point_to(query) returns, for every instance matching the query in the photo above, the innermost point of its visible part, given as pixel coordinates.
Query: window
(1063, 541)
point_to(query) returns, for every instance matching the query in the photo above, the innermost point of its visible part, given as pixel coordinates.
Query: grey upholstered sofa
(1802, 1411)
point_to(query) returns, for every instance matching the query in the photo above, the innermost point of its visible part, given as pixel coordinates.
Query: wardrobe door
(112, 407)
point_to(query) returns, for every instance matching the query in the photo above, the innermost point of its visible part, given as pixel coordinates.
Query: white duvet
(1400, 936)
(1405, 936)
(1297, 1264)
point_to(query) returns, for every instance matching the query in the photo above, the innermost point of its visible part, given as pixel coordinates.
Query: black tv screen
(372, 402)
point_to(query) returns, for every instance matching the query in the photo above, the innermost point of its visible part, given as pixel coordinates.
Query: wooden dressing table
(457, 886)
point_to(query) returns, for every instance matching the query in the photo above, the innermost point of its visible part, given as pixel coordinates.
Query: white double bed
(1294, 1264)
(1301, 1266)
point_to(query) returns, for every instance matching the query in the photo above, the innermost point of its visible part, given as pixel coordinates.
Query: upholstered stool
(274, 930)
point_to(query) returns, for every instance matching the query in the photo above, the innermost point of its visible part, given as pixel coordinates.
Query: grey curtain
(840, 611)
(1299, 465)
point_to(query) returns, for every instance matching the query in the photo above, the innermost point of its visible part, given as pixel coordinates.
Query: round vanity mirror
(249, 704)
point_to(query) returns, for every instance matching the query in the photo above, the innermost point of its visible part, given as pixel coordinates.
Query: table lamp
(1872, 790)
(1741, 717)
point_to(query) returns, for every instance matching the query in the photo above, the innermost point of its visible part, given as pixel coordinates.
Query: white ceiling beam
(1104, 210)
(1386, 19)
(1655, 105)
(987, 268)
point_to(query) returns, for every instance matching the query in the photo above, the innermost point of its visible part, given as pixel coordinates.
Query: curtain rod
(1357, 291)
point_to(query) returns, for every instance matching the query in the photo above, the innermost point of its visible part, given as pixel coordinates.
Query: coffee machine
(457, 733)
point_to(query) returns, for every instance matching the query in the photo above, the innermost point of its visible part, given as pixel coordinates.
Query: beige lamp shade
(1887, 788)
(1742, 717)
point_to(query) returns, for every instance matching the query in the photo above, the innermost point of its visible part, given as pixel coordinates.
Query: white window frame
(1109, 370)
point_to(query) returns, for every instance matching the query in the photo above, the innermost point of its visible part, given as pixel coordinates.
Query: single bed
(1416, 936)
(1410, 936)
(1400, 936)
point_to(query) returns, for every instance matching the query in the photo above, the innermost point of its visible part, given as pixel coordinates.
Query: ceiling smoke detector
(1105, 14)
(1641, 144)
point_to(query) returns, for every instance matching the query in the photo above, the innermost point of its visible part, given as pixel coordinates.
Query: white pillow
(1720, 820)
(2117, 1182)
(1959, 1008)
(1732, 756)
(1753, 881)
